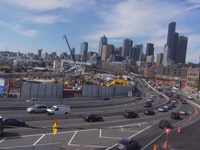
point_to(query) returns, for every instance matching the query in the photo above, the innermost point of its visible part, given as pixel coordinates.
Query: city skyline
(27, 27)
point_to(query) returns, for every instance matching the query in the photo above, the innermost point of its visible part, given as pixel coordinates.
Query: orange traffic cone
(166, 145)
(190, 118)
(155, 147)
(179, 129)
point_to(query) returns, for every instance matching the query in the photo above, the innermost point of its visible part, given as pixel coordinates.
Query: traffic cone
(155, 147)
(197, 112)
(179, 129)
(166, 145)
(190, 118)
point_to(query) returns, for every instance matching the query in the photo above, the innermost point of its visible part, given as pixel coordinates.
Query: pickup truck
(32, 100)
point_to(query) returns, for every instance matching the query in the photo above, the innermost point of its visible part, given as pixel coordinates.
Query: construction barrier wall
(34, 90)
(106, 91)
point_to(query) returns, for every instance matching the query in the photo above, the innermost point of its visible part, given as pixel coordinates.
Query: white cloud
(17, 28)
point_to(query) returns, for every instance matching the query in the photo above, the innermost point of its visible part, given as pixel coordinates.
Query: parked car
(92, 117)
(190, 97)
(171, 105)
(127, 144)
(160, 95)
(59, 110)
(148, 104)
(183, 112)
(175, 115)
(37, 108)
(164, 124)
(130, 114)
(149, 112)
(150, 100)
(10, 121)
(184, 102)
(167, 106)
(32, 100)
(174, 101)
(162, 109)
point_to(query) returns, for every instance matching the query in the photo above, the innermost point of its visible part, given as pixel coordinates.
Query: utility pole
(11, 66)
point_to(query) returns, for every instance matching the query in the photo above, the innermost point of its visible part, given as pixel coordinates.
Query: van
(59, 110)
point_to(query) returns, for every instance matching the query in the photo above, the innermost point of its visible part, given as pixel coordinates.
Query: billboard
(2, 81)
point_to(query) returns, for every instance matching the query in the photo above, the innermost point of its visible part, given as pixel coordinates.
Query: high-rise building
(44, 56)
(39, 53)
(118, 51)
(90, 54)
(149, 49)
(181, 49)
(138, 50)
(53, 55)
(103, 41)
(166, 55)
(170, 38)
(127, 44)
(174, 52)
(73, 50)
(107, 50)
(159, 58)
(150, 59)
(84, 50)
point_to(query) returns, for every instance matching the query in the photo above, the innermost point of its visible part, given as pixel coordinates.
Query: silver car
(37, 108)
(183, 112)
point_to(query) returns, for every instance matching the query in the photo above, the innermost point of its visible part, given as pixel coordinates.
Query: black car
(9, 121)
(149, 112)
(148, 104)
(164, 124)
(127, 144)
(175, 115)
(184, 102)
(92, 117)
(105, 98)
(130, 114)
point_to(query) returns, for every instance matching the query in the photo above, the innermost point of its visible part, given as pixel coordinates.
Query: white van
(59, 110)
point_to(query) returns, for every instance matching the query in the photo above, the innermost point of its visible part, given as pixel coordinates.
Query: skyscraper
(73, 50)
(159, 58)
(138, 51)
(171, 38)
(107, 51)
(39, 53)
(174, 52)
(127, 44)
(103, 41)
(118, 50)
(149, 49)
(84, 50)
(166, 56)
(181, 49)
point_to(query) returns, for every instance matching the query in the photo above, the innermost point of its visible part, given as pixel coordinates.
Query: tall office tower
(44, 56)
(107, 50)
(142, 57)
(138, 51)
(150, 59)
(174, 52)
(166, 56)
(39, 53)
(118, 51)
(127, 44)
(132, 52)
(171, 38)
(159, 58)
(84, 50)
(90, 54)
(181, 49)
(103, 41)
(73, 50)
(149, 49)
(53, 55)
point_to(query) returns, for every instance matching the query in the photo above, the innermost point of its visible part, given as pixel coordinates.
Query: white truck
(59, 110)
(32, 100)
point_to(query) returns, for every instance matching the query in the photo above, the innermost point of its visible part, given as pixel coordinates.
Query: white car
(162, 109)
(167, 106)
(183, 112)
(190, 97)
(152, 96)
(32, 100)
(174, 101)
(150, 100)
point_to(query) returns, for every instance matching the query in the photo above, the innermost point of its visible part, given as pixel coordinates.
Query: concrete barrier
(48, 146)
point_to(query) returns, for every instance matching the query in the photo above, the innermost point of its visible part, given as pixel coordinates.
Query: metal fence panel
(41, 92)
(95, 90)
(34, 90)
(48, 92)
(25, 90)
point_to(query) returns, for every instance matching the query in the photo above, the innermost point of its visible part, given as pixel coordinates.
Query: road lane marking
(2, 140)
(39, 139)
(121, 128)
(72, 138)
(100, 133)
(95, 146)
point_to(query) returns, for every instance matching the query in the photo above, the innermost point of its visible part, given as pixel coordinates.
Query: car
(148, 104)
(184, 102)
(59, 110)
(149, 112)
(130, 114)
(10, 121)
(164, 124)
(177, 96)
(92, 117)
(167, 106)
(190, 97)
(171, 105)
(137, 94)
(150, 100)
(32, 100)
(160, 95)
(37, 108)
(183, 112)
(175, 115)
(105, 98)
(127, 144)
(174, 101)
(162, 109)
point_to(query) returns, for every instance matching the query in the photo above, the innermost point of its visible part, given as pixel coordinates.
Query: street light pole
(11, 66)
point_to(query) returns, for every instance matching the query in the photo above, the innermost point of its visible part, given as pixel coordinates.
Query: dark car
(175, 115)
(105, 98)
(164, 124)
(127, 144)
(130, 114)
(148, 104)
(92, 117)
(9, 121)
(160, 95)
(149, 112)
(137, 94)
(184, 102)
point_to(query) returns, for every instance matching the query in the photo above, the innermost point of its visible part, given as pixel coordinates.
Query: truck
(59, 110)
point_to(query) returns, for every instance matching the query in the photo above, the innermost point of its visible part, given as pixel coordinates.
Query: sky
(29, 25)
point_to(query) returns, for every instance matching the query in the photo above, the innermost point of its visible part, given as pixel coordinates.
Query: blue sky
(29, 25)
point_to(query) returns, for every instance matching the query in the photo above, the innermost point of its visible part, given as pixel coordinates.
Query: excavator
(118, 82)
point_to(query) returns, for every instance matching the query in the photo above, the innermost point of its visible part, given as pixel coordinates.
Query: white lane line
(94, 146)
(72, 138)
(106, 137)
(125, 104)
(100, 133)
(128, 125)
(139, 125)
(121, 128)
(2, 140)
(39, 139)
(116, 105)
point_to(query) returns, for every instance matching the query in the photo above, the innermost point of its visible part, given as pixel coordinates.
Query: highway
(76, 134)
